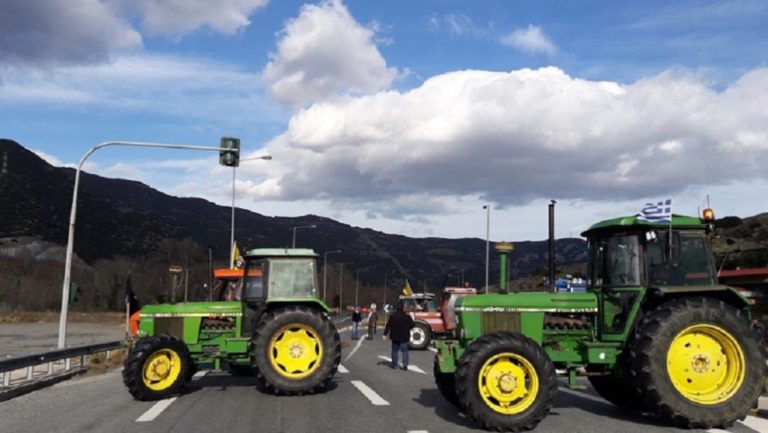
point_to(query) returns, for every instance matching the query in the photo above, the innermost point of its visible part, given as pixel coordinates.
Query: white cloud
(199, 88)
(177, 17)
(520, 136)
(61, 32)
(530, 40)
(323, 53)
(457, 24)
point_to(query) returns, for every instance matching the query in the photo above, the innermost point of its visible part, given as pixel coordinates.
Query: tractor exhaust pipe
(552, 245)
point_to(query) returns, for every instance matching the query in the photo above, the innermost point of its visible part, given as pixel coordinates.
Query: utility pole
(487, 243)
(325, 273)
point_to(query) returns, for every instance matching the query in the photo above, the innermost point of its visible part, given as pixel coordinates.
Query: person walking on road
(356, 319)
(398, 329)
(372, 318)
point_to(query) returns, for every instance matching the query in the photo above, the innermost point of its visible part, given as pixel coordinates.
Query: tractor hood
(193, 309)
(543, 302)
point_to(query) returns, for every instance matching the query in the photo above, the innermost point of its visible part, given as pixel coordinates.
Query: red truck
(433, 320)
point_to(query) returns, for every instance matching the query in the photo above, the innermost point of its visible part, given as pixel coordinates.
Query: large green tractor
(276, 328)
(654, 332)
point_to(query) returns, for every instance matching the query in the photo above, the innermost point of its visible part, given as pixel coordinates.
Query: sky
(404, 116)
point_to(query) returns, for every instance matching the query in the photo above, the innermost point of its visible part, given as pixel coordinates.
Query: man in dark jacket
(356, 319)
(398, 329)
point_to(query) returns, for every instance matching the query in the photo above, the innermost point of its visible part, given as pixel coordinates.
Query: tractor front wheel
(421, 335)
(157, 367)
(296, 350)
(446, 384)
(698, 363)
(506, 382)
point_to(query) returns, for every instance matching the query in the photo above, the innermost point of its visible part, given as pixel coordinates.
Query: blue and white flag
(657, 212)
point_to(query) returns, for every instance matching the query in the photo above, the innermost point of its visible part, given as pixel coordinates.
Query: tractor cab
(629, 257)
(278, 273)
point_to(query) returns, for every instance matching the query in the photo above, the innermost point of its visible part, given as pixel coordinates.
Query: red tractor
(430, 319)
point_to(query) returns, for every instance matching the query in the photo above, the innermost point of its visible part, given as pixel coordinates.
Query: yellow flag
(407, 289)
(235, 256)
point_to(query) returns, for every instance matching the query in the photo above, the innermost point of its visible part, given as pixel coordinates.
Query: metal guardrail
(29, 362)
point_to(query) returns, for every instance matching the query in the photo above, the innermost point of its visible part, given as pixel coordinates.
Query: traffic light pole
(71, 236)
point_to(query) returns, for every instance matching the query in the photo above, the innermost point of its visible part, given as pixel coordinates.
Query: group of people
(397, 329)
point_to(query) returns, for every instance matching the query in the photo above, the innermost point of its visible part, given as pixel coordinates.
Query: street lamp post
(487, 242)
(293, 244)
(232, 234)
(325, 273)
(384, 302)
(341, 287)
(73, 215)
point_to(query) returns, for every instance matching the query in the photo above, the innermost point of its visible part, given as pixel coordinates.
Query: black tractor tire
(421, 336)
(469, 376)
(617, 387)
(166, 351)
(686, 328)
(446, 384)
(318, 336)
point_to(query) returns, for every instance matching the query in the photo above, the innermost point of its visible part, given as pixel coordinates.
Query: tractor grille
(169, 325)
(498, 321)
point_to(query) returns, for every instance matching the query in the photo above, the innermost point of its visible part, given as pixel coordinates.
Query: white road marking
(155, 410)
(755, 423)
(370, 394)
(411, 367)
(417, 431)
(200, 374)
(357, 346)
(750, 421)
(343, 369)
(432, 349)
(583, 395)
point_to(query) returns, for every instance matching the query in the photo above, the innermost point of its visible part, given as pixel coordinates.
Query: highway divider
(24, 374)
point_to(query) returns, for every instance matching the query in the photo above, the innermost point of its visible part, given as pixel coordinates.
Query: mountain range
(118, 217)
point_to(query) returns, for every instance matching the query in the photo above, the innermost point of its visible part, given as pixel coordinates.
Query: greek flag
(657, 212)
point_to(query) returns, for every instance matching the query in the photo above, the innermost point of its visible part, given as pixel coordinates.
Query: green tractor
(274, 326)
(654, 332)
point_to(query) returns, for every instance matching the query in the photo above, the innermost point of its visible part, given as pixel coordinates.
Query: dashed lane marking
(411, 367)
(343, 369)
(357, 346)
(750, 421)
(432, 349)
(370, 394)
(583, 395)
(156, 410)
(417, 431)
(755, 423)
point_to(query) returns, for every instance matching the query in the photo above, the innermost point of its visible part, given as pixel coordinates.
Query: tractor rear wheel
(157, 367)
(421, 335)
(506, 382)
(616, 386)
(698, 363)
(296, 350)
(446, 383)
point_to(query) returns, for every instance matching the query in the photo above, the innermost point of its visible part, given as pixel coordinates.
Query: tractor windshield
(291, 278)
(616, 261)
(679, 259)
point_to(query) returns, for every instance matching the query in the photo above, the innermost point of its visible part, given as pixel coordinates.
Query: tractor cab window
(253, 286)
(684, 259)
(616, 261)
(291, 278)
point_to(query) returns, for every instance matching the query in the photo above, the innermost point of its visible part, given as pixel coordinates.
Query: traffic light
(229, 155)
(74, 293)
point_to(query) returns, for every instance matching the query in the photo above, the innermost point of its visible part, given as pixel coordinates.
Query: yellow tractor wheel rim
(508, 383)
(705, 364)
(295, 351)
(161, 370)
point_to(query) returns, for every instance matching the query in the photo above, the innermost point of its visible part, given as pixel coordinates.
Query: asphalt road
(366, 396)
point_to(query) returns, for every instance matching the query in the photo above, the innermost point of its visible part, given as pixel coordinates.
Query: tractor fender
(721, 292)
